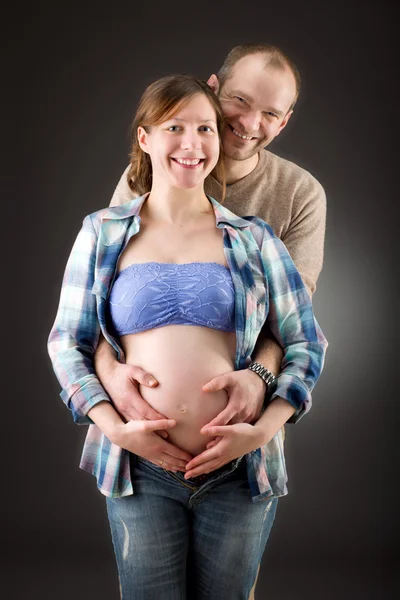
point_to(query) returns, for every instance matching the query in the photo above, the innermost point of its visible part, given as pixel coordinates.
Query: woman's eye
(240, 99)
(173, 128)
(205, 128)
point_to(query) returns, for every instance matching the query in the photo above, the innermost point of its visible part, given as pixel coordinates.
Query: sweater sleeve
(75, 333)
(305, 236)
(123, 192)
(291, 320)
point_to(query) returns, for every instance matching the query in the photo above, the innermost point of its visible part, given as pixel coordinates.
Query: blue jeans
(180, 540)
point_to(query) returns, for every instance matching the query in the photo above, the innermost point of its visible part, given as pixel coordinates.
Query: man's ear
(142, 139)
(285, 121)
(214, 83)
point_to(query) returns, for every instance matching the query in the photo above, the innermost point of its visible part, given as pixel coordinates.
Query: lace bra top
(150, 295)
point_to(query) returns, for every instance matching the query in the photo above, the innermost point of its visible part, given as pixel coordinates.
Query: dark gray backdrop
(74, 76)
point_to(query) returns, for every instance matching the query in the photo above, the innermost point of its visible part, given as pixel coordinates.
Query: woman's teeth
(188, 161)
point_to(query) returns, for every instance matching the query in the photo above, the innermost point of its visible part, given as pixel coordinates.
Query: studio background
(73, 78)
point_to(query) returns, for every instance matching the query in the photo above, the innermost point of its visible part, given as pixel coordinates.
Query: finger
(163, 434)
(130, 414)
(135, 407)
(222, 419)
(220, 430)
(213, 442)
(175, 452)
(205, 456)
(173, 463)
(163, 463)
(143, 377)
(203, 468)
(215, 384)
(144, 409)
(157, 425)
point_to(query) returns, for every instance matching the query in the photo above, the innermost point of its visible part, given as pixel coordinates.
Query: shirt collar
(223, 216)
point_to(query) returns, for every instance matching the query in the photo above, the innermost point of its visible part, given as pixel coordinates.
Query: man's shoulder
(283, 170)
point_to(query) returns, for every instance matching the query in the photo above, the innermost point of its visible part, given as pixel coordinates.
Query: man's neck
(237, 169)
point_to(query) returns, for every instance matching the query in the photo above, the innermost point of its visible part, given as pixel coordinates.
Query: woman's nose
(191, 141)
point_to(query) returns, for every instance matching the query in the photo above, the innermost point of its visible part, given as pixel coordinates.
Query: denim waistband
(200, 479)
(204, 477)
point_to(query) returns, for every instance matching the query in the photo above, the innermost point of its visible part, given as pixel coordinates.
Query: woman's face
(185, 148)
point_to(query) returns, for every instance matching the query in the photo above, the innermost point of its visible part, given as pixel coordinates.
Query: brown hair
(275, 58)
(159, 102)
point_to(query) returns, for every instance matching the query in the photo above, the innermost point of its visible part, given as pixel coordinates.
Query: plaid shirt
(267, 287)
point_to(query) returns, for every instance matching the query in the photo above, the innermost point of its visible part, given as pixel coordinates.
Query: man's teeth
(187, 161)
(244, 137)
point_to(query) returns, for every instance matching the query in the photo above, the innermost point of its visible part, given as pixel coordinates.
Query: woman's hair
(160, 101)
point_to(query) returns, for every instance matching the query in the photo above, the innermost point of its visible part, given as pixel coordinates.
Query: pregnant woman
(181, 287)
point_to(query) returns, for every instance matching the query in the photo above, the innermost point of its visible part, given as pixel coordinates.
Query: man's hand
(246, 392)
(235, 440)
(121, 382)
(140, 438)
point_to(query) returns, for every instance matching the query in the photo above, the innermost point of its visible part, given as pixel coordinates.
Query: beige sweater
(284, 195)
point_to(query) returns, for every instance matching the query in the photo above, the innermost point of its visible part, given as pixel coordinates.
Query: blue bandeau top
(150, 295)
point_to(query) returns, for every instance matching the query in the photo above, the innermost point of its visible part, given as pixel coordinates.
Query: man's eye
(271, 114)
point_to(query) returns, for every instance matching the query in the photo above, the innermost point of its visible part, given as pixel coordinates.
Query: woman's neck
(176, 206)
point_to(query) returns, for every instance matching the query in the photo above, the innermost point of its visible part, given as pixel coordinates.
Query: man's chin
(240, 155)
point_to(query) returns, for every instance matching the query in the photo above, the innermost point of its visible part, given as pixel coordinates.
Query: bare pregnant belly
(182, 359)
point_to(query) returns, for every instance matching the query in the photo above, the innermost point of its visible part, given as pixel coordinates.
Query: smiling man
(258, 86)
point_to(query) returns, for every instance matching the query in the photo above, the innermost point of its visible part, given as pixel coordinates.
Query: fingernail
(151, 381)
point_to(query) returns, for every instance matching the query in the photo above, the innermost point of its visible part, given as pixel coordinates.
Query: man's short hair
(274, 58)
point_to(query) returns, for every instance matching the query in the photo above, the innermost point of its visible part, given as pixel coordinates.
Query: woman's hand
(140, 437)
(232, 441)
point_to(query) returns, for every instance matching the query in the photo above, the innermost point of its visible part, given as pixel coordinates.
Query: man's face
(256, 102)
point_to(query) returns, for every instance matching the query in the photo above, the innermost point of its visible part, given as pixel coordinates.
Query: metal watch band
(268, 377)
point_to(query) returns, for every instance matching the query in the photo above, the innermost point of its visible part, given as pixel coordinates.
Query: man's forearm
(268, 353)
(104, 358)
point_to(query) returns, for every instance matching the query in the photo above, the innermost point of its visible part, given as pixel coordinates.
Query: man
(258, 87)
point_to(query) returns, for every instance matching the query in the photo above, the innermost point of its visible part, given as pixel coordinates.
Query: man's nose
(250, 121)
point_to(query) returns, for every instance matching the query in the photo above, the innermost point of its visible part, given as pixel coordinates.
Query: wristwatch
(268, 377)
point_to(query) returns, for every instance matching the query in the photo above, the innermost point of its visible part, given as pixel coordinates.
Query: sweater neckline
(251, 177)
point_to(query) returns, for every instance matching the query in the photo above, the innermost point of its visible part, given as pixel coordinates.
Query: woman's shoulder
(114, 213)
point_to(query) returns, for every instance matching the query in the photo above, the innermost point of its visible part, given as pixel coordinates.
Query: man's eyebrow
(242, 95)
(276, 111)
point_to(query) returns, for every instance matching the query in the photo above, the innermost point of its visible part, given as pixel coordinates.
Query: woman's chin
(189, 185)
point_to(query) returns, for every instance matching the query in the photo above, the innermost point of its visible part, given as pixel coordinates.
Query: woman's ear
(142, 139)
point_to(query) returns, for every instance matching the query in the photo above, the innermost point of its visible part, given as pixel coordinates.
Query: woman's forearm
(106, 418)
(277, 413)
